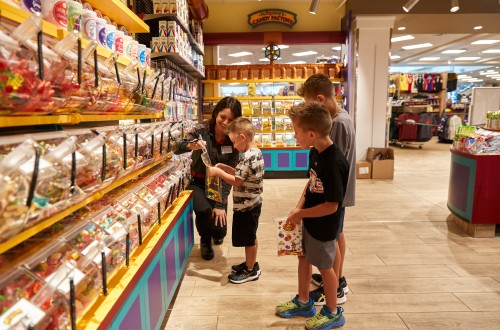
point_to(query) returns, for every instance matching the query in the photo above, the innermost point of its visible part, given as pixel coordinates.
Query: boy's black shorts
(245, 227)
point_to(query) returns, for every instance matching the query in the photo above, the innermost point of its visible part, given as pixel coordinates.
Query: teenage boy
(319, 211)
(318, 87)
(247, 180)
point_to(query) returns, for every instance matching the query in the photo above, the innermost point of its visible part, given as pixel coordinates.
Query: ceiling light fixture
(241, 63)
(491, 51)
(453, 51)
(479, 27)
(417, 46)
(401, 28)
(454, 6)
(429, 59)
(484, 42)
(309, 52)
(337, 48)
(395, 57)
(314, 6)
(409, 5)
(402, 38)
(467, 58)
(297, 62)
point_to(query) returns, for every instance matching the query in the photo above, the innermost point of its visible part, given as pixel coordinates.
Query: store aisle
(408, 265)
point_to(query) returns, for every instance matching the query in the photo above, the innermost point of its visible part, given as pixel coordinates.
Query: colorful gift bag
(289, 238)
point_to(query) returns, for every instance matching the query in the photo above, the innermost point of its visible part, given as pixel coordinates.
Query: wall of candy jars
(87, 172)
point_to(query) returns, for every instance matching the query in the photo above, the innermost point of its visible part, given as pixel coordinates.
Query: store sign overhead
(267, 16)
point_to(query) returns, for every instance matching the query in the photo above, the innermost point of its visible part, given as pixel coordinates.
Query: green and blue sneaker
(325, 319)
(294, 307)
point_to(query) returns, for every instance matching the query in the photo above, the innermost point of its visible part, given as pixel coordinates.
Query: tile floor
(407, 264)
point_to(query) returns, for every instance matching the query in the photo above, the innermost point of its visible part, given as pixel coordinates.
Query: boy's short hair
(243, 126)
(312, 116)
(317, 84)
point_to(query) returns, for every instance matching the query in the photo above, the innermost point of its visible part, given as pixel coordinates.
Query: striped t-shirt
(250, 168)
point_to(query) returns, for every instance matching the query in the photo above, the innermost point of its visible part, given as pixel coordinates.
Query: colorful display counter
(289, 162)
(474, 192)
(139, 295)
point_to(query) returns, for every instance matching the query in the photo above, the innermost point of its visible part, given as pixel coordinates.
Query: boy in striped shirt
(247, 180)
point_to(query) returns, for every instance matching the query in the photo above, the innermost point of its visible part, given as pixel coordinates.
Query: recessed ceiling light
(240, 54)
(279, 46)
(484, 42)
(463, 76)
(492, 74)
(241, 63)
(491, 51)
(264, 59)
(336, 48)
(297, 62)
(429, 58)
(395, 57)
(454, 51)
(402, 28)
(402, 38)
(232, 84)
(417, 46)
(479, 27)
(467, 58)
(309, 52)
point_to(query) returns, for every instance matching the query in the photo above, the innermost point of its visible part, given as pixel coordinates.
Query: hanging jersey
(428, 82)
(409, 78)
(420, 83)
(403, 83)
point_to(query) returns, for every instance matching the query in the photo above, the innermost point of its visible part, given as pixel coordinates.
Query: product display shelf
(118, 11)
(256, 98)
(69, 119)
(140, 294)
(174, 17)
(179, 61)
(18, 15)
(246, 81)
(25, 234)
(473, 194)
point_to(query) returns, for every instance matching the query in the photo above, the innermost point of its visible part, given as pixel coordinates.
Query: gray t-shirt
(344, 136)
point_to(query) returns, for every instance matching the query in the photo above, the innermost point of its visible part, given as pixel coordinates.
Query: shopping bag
(289, 238)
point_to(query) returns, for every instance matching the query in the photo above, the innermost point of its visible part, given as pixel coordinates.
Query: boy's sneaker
(341, 296)
(325, 319)
(343, 284)
(238, 268)
(294, 307)
(316, 279)
(245, 275)
(318, 296)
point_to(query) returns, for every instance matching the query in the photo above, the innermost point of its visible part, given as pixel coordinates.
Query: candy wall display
(289, 238)
(114, 153)
(136, 205)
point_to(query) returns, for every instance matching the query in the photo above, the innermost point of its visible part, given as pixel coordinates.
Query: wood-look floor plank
(452, 320)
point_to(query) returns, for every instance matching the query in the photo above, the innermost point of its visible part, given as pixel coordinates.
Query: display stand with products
(95, 230)
(474, 180)
(268, 112)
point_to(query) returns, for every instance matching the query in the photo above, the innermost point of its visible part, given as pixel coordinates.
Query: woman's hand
(219, 216)
(198, 145)
(214, 171)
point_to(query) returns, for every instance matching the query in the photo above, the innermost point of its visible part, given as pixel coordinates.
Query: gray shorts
(318, 253)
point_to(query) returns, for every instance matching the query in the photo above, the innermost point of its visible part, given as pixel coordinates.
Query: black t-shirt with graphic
(328, 173)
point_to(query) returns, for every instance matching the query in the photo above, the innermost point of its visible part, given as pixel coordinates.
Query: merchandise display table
(474, 193)
(139, 295)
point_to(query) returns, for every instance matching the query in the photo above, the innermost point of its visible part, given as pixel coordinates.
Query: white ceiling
(444, 31)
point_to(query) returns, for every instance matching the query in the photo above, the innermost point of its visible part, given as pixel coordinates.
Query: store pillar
(369, 78)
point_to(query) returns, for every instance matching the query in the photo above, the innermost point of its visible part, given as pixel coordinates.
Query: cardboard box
(363, 169)
(384, 168)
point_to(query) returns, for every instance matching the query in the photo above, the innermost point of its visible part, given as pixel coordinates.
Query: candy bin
(145, 144)
(129, 142)
(108, 100)
(56, 188)
(60, 263)
(14, 184)
(158, 145)
(157, 187)
(137, 206)
(125, 223)
(89, 159)
(151, 200)
(21, 89)
(26, 301)
(114, 155)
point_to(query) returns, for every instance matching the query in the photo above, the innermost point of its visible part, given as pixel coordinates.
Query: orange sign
(278, 16)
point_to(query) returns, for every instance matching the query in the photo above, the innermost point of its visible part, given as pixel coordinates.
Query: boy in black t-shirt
(319, 211)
